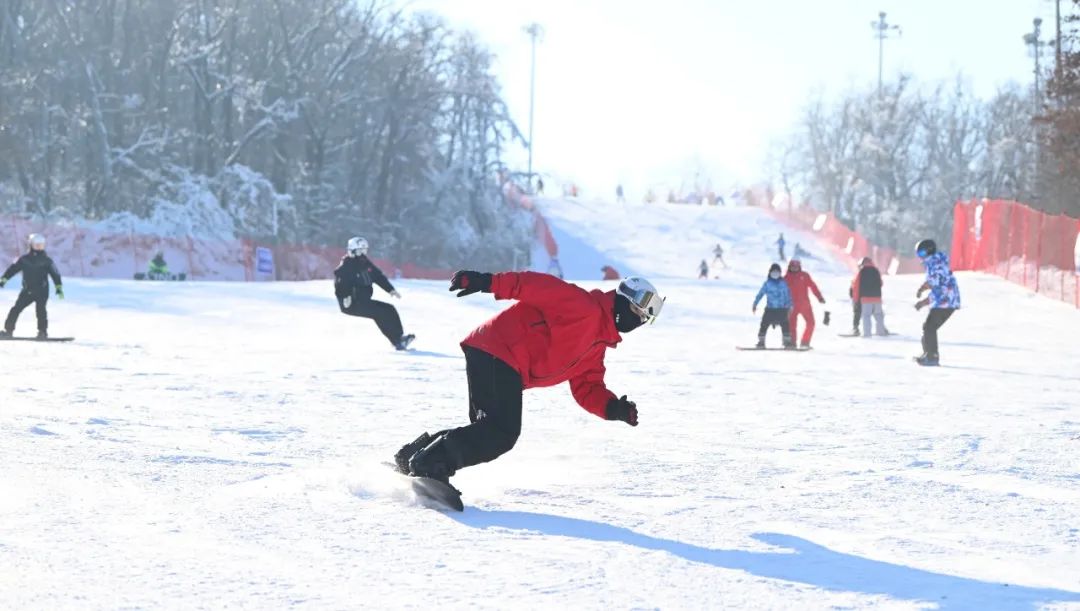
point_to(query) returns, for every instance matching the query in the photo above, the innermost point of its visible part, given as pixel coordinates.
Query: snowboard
(756, 349)
(162, 277)
(860, 335)
(5, 338)
(442, 494)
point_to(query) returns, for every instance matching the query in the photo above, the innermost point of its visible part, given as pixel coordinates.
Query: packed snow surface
(213, 445)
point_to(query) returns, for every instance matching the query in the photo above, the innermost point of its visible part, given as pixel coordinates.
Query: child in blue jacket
(944, 298)
(777, 306)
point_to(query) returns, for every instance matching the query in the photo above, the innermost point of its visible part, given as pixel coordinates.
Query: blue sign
(264, 260)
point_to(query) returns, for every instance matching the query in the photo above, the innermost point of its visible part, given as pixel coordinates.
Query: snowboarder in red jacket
(800, 283)
(556, 332)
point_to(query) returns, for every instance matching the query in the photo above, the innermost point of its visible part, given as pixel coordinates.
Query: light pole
(881, 31)
(535, 32)
(1031, 39)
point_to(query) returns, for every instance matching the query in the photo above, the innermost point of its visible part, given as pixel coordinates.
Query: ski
(756, 349)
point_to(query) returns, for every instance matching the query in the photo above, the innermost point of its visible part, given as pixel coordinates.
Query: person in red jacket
(556, 332)
(801, 284)
(610, 273)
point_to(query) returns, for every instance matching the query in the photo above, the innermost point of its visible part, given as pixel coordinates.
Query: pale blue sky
(641, 92)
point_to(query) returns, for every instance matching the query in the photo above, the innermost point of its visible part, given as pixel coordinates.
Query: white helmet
(36, 241)
(357, 246)
(643, 297)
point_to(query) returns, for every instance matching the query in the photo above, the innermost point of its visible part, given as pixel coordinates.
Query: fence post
(1027, 220)
(1038, 251)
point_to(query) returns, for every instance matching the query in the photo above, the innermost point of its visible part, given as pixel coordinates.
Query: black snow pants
(25, 299)
(494, 410)
(384, 315)
(775, 317)
(934, 320)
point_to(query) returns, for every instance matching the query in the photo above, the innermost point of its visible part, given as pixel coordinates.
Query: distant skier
(352, 286)
(158, 269)
(539, 186)
(556, 332)
(944, 297)
(36, 268)
(718, 255)
(856, 308)
(619, 195)
(610, 273)
(801, 284)
(780, 247)
(777, 307)
(703, 270)
(801, 253)
(866, 290)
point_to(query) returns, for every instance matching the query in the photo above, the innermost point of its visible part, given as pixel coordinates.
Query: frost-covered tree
(307, 120)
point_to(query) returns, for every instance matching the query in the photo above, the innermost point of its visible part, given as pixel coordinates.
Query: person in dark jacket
(777, 307)
(556, 332)
(36, 268)
(353, 280)
(866, 290)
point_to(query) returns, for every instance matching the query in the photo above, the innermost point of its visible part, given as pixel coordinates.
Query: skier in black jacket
(36, 268)
(353, 279)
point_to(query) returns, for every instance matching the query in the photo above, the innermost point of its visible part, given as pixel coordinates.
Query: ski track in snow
(212, 445)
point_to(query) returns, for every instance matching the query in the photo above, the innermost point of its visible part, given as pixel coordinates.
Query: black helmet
(925, 248)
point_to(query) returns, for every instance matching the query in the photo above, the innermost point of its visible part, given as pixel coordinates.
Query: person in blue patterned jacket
(777, 306)
(944, 298)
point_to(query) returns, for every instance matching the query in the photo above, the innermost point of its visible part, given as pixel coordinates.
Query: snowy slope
(669, 240)
(212, 445)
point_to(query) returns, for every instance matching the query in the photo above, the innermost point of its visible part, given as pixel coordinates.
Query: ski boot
(928, 360)
(789, 344)
(42, 334)
(760, 343)
(804, 346)
(407, 451)
(436, 461)
(403, 343)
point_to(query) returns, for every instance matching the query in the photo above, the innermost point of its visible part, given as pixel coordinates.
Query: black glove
(467, 283)
(826, 320)
(621, 409)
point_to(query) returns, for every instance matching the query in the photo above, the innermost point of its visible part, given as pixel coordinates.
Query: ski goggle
(643, 302)
(922, 254)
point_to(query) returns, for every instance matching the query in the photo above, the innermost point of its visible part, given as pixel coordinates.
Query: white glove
(347, 301)
(395, 294)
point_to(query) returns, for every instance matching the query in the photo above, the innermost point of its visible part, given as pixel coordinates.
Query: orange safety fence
(1037, 250)
(846, 243)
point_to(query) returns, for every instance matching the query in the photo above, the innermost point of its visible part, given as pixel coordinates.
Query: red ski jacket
(556, 332)
(800, 283)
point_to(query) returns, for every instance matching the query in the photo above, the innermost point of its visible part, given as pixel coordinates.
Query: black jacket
(36, 268)
(869, 280)
(354, 277)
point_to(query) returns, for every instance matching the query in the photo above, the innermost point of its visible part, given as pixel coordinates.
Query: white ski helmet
(36, 241)
(644, 299)
(357, 246)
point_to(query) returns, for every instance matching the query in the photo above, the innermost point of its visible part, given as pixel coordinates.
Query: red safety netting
(1037, 250)
(88, 253)
(846, 243)
(85, 252)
